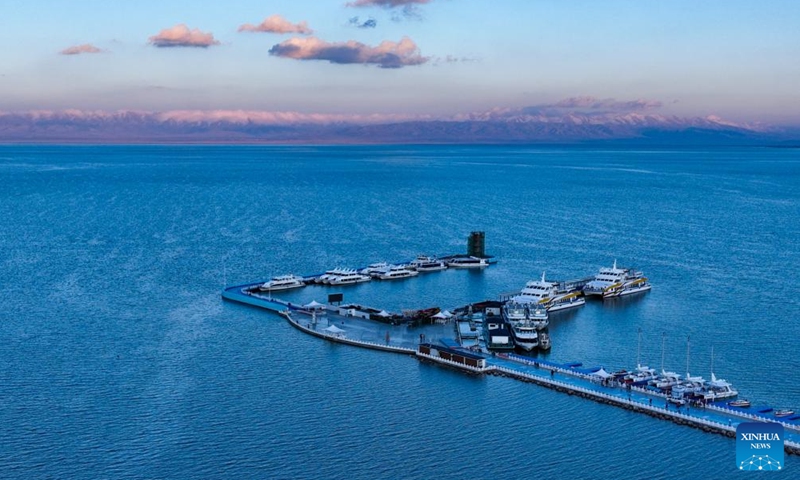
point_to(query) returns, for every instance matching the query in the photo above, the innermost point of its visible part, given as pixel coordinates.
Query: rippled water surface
(118, 358)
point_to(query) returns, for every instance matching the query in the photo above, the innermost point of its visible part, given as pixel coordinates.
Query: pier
(570, 378)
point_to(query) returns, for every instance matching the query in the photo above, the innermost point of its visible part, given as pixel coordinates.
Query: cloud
(387, 3)
(79, 49)
(277, 24)
(368, 23)
(386, 55)
(181, 36)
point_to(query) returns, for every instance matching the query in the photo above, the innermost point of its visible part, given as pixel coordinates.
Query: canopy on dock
(334, 330)
(601, 373)
(314, 305)
(384, 313)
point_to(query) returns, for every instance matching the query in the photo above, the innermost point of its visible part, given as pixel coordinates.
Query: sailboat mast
(663, 342)
(639, 350)
(687, 355)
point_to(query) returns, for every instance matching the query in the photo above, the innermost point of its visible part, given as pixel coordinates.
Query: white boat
(666, 380)
(523, 328)
(325, 277)
(604, 279)
(374, 268)
(546, 294)
(349, 278)
(467, 262)
(538, 317)
(718, 389)
(282, 282)
(424, 263)
(544, 341)
(634, 282)
(338, 273)
(396, 272)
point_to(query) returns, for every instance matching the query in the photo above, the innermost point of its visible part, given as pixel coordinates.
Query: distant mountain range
(527, 125)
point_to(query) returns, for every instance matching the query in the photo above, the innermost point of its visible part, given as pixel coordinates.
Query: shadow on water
(619, 303)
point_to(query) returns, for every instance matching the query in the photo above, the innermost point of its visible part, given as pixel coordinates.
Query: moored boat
(282, 282)
(784, 413)
(604, 279)
(349, 278)
(467, 262)
(634, 282)
(424, 263)
(396, 272)
(741, 403)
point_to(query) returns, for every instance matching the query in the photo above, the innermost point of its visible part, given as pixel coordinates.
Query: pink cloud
(277, 24)
(386, 55)
(181, 36)
(386, 3)
(79, 49)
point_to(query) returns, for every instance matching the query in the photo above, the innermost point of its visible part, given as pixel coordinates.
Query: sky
(736, 59)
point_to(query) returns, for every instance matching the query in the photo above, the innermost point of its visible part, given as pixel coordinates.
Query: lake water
(119, 359)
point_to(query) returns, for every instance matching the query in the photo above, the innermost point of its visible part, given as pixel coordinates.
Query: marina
(483, 338)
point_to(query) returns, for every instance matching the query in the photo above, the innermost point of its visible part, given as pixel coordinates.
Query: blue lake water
(119, 359)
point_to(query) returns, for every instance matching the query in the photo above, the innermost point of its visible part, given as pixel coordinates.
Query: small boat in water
(784, 413)
(282, 282)
(544, 341)
(741, 403)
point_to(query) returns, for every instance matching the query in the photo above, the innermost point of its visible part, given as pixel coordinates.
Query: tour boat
(374, 268)
(349, 278)
(424, 263)
(522, 328)
(604, 279)
(634, 282)
(467, 262)
(283, 282)
(546, 294)
(396, 272)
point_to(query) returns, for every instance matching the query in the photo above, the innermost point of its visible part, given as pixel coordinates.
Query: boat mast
(712, 363)
(663, 342)
(687, 355)
(639, 350)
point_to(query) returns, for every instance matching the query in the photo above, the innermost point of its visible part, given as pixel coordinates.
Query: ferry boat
(634, 282)
(467, 262)
(374, 268)
(424, 263)
(522, 328)
(349, 278)
(282, 282)
(604, 279)
(498, 335)
(546, 294)
(396, 272)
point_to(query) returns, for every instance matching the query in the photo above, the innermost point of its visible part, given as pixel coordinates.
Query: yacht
(604, 279)
(784, 413)
(427, 264)
(546, 294)
(338, 273)
(498, 335)
(741, 403)
(396, 272)
(643, 374)
(467, 262)
(283, 282)
(718, 389)
(349, 278)
(634, 282)
(374, 268)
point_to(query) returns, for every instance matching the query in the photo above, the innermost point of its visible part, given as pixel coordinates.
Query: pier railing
(752, 416)
(462, 366)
